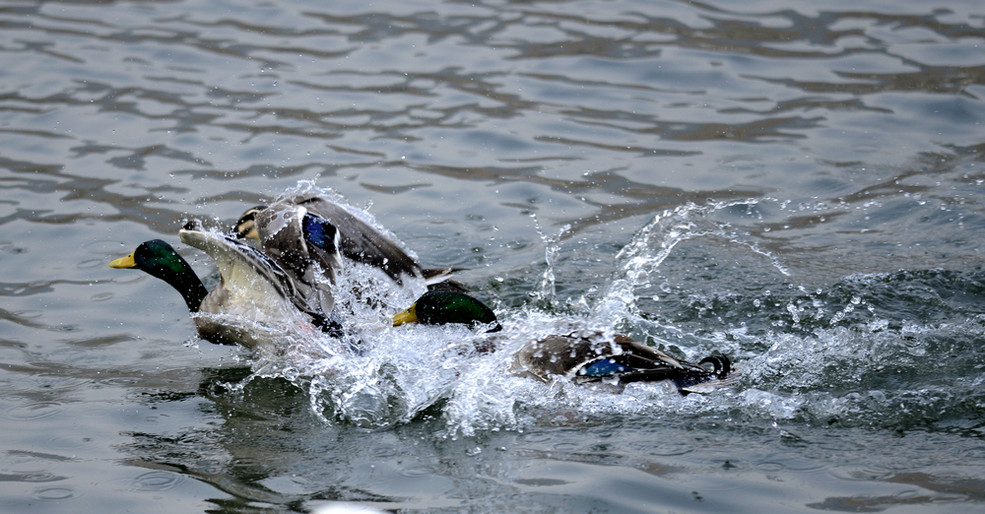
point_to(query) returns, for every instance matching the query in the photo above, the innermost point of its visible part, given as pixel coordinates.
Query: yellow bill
(407, 316)
(124, 262)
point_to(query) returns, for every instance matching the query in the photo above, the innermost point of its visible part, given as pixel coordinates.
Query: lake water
(797, 185)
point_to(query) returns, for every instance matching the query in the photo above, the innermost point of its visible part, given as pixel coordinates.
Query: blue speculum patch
(602, 368)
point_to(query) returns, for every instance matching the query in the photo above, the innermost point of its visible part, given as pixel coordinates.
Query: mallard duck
(583, 357)
(277, 227)
(252, 288)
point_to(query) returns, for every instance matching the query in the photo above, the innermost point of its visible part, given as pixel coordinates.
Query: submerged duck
(583, 357)
(277, 227)
(590, 357)
(252, 288)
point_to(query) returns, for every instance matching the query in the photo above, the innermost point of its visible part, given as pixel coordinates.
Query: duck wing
(362, 242)
(626, 368)
(252, 283)
(306, 246)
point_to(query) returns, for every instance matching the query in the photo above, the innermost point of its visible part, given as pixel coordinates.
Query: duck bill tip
(407, 316)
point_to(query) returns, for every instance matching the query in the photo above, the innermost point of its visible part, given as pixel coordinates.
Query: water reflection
(265, 448)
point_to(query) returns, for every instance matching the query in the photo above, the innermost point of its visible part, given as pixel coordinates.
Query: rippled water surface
(798, 186)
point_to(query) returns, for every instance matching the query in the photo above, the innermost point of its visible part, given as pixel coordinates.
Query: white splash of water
(403, 372)
(547, 292)
(637, 264)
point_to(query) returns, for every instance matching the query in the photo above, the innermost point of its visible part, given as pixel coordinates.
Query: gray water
(798, 186)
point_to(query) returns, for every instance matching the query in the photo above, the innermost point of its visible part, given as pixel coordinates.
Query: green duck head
(159, 259)
(439, 307)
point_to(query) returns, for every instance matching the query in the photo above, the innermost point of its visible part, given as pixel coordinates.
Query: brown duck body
(589, 357)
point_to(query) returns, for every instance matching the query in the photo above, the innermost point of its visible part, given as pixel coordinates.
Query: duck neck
(191, 289)
(182, 277)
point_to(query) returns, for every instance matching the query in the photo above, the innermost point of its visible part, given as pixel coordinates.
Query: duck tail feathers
(711, 385)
